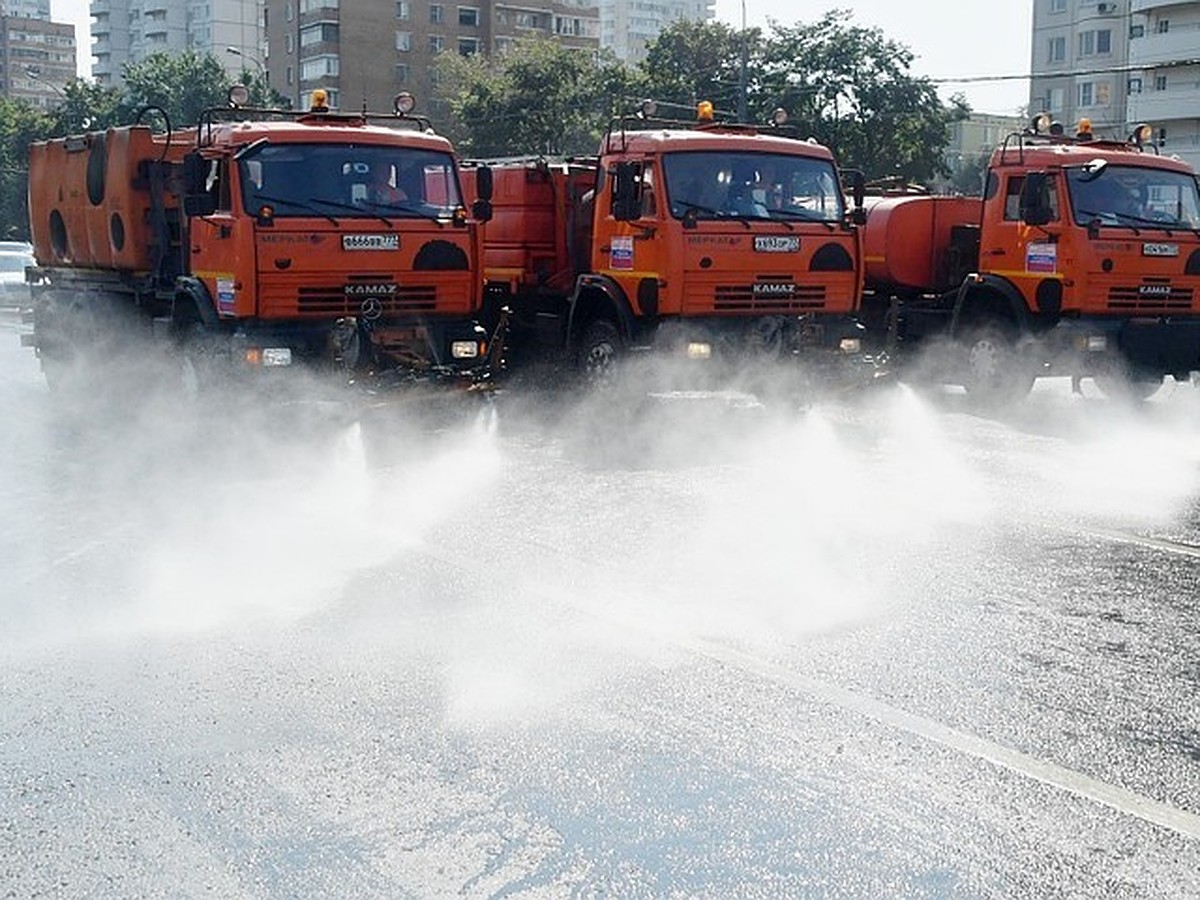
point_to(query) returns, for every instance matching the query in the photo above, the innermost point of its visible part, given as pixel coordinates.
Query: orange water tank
(906, 238)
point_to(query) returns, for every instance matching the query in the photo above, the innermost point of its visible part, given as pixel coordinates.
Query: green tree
(693, 61)
(87, 106)
(539, 98)
(20, 124)
(850, 87)
(182, 85)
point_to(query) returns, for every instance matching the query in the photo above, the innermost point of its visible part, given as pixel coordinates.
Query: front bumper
(1165, 345)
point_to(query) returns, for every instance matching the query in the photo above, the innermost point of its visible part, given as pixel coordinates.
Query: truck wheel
(1127, 384)
(600, 352)
(995, 372)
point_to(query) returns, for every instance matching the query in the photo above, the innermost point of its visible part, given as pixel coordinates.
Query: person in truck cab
(381, 189)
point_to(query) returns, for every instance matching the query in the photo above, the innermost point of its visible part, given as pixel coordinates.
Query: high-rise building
(26, 9)
(1079, 54)
(37, 59)
(626, 26)
(1120, 63)
(131, 30)
(363, 54)
(1164, 46)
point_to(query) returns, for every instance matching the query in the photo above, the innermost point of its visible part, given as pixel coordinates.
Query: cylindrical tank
(906, 238)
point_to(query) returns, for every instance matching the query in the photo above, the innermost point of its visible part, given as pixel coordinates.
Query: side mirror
(481, 210)
(199, 204)
(483, 183)
(1035, 199)
(627, 191)
(195, 173)
(858, 194)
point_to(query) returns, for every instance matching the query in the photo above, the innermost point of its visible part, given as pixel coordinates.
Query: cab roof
(1029, 153)
(717, 138)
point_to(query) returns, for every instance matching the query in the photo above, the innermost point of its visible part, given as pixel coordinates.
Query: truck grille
(1152, 297)
(769, 295)
(335, 300)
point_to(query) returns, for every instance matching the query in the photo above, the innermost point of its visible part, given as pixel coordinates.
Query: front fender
(988, 296)
(593, 290)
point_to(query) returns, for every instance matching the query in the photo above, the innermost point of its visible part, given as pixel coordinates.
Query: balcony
(1155, 49)
(1160, 107)
(1146, 5)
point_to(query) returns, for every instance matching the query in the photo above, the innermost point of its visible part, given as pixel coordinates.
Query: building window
(437, 13)
(1057, 6)
(1104, 41)
(468, 46)
(288, 12)
(436, 43)
(504, 45)
(403, 41)
(401, 73)
(1160, 82)
(468, 16)
(291, 75)
(318, 67)
(1085, 94)
(1058, 49)
(402, 10)
(1103, 93)
(316, 34)
(1164, 25)
(1137, 31)
(1135, 85)
(289, 42)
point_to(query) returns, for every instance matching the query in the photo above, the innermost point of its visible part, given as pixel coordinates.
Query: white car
(14, 257)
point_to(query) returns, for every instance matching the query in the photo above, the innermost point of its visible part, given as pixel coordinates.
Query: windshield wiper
(337, 204)
(805, 215)
(405, 207)
(298, 204)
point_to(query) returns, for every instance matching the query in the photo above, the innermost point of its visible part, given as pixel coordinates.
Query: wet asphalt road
(881, 647)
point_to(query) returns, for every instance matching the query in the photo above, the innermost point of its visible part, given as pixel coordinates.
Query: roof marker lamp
(704, 111)
(238, 96)
(1142, 134)
(648, 109)
(320, 101)
(404, 103)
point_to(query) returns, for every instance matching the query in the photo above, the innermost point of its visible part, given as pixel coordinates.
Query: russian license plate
(370, 242)
(1160, 249)
(776, 243)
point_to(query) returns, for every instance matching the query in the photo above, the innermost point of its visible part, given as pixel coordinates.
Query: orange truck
(260, 240)
(1082, 258)
(706, 242)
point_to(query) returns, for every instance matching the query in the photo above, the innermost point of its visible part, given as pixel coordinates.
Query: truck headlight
(464, 349)
(1092, 343)
(276, 356)
(850, 346)
(699, 350)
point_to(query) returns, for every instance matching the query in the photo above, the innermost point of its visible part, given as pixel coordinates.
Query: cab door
(1014, 251)
(629, 237)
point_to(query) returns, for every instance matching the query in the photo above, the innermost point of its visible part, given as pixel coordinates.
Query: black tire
(601, 349)
(1126, 384)
(995, 372)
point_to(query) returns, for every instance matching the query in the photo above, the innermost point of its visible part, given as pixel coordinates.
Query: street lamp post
(262, 70)
(35, 73)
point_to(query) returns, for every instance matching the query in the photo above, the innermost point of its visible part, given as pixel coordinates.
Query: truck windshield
(359, 181)
(776, 186)
(1133, 196)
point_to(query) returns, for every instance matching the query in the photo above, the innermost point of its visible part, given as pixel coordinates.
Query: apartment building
(26, 9)
(363, 54)
(1119, 63)
(1080, 52)
(37, 57)
(131, 30)
(1164, 77)
(626, 26)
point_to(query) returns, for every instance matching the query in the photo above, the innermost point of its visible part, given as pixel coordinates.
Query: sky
(950, 38)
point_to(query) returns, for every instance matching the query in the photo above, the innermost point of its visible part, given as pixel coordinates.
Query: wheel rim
(598, 363)
(985, 360)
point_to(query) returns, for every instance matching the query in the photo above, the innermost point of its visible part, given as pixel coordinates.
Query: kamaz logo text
(371, 290)
(1155, 290)
(774, 288)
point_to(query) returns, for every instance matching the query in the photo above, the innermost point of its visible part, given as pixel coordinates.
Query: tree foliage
(694, 61)
(182, 85)
(540, 98)
(853, 92)
(20, 124)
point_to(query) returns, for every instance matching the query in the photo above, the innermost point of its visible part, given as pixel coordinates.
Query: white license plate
(1160, 249)
(370, 242)
(776, 243)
